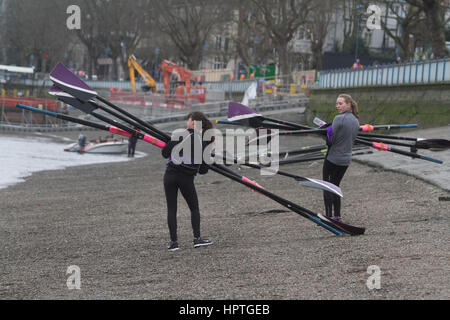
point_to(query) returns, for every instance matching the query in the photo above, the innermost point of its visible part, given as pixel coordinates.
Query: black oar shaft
(160, 133)
(373, 135)
(123, 118)
(395, 143)
(118, 125)
(287, 123)
(286, 203)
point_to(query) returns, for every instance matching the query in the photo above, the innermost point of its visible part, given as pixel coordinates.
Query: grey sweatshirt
(345, 131)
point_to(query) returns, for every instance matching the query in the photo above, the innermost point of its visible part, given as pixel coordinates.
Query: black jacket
(187, 168)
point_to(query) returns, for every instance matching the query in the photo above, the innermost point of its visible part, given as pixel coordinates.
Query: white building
(377, 40)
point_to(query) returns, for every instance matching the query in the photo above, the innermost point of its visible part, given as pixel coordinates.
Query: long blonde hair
(348, 99)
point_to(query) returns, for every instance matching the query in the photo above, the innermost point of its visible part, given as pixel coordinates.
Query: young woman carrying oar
(341, 136)
(181, 177)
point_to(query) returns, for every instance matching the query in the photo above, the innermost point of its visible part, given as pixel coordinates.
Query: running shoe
(200, 242)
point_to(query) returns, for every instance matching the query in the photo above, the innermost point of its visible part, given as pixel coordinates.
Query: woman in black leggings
(341, 136)
(180, 175)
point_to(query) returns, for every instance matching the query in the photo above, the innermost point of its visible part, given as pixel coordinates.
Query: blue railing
(418, 72)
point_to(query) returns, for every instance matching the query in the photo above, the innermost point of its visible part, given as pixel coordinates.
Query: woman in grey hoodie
(341, 136)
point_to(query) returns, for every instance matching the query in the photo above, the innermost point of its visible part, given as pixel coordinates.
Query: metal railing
(418, 72)
(10, 116)
(233, 86)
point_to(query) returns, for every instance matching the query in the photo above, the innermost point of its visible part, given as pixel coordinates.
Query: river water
(20, 157)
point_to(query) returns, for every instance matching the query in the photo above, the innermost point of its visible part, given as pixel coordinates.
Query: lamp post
(156, 62)
(205, 59)
(255, 39)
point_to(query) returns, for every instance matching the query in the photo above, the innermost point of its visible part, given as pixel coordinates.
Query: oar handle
(370, 128)
(430, 159)
(49, 113)
(66, 118)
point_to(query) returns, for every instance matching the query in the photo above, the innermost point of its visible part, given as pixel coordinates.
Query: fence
(418, 72)
(11, 116)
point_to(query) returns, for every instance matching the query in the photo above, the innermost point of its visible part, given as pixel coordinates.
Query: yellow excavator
(134, 65)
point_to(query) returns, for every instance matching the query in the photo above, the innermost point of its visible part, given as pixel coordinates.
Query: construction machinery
(134, 65)
(177, 82)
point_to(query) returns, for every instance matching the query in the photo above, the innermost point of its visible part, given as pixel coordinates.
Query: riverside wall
(426, 105)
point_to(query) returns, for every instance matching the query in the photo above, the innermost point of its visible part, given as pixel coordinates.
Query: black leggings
(334, 174)
(174, 180)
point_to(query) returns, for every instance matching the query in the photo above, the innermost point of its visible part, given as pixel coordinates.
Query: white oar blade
(322, 185)
(266, 136)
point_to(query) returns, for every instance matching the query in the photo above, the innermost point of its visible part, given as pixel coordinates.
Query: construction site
(180, 92)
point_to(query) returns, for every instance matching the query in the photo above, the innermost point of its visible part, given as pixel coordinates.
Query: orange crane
(183, 82)
(134, 65)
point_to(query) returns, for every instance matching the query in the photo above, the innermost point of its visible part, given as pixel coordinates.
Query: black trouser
(174, 181)
(334, 174)
(131, 150)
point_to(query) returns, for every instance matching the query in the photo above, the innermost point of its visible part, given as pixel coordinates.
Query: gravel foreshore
(110, 221)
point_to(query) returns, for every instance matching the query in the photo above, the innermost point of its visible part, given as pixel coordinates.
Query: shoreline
(30, 153)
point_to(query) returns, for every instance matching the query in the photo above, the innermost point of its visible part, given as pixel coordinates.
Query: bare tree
(281, 20)
(113, 28)
(318, 25)
(435, 19)
(189, 25)
(253, 44)
(36, 32)
(408, 17)
(350, 18)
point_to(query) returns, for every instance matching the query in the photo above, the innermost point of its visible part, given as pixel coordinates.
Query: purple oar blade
(70, 100)
(70, 83)
(58, 92)
(237, 111)
(323, 185)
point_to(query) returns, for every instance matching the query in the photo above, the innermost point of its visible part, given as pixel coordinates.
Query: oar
(308, 158)
(303, 150)
(112, 129)
(238, 112)
(395, 143)
(363, 128)
(253, 124)
(384, 147)
(90, 107)
(431, 144)
(332, 226)
(306, 182)
(420, 143)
